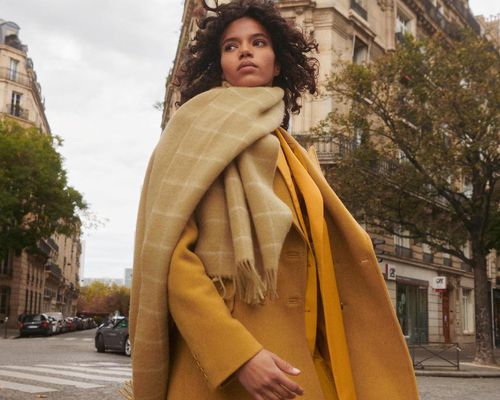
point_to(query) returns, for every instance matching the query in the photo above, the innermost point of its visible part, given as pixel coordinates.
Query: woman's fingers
(283, 393)
(291, 385)
(284, 365)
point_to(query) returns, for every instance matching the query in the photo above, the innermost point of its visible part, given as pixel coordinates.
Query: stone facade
(50, 281)
(358, 31)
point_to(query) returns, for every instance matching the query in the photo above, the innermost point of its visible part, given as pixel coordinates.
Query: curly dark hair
(201, 69)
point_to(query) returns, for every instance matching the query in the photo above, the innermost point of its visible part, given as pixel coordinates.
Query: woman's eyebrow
(236, 39)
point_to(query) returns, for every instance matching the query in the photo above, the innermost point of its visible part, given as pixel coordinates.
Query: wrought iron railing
(359, 9)
(16, 111)
(435, 355)
(14, 76)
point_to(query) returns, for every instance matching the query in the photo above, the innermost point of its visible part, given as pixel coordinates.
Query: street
(60, 367)
(68, 366)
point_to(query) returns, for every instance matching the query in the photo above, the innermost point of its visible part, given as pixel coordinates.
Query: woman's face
(247, 55)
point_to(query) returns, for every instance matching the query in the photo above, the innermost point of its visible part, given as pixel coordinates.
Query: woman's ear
(277, 69)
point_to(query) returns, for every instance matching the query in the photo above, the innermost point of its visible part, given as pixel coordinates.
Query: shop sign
(439, 282)
(390, 272)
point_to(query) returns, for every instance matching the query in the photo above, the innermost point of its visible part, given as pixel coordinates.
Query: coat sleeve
(219, 343)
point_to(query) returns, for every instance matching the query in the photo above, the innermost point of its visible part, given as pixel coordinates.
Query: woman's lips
(247, 66)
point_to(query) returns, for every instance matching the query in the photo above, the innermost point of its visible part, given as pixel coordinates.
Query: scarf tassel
(249, 285)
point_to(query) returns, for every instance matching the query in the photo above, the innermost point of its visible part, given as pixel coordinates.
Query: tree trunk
(484, 334)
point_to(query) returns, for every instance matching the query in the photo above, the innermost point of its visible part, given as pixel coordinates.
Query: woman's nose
(245, 51)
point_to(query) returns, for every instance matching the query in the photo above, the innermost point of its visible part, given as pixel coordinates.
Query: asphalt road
(68, 367)
(60, 367)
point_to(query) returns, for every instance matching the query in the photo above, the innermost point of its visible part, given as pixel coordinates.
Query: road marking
(49, 379)
(83, 369)
(69, 373)
(88, 339)
(25, 388)
(120, 369)
(70, 338)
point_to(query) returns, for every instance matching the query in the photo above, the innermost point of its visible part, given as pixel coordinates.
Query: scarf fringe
(127, 391)
(271, 283)
(249, 285)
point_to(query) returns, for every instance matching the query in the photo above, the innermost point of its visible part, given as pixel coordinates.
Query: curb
(459, 374)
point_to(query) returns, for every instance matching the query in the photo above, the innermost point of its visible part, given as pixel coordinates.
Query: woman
(251, 280)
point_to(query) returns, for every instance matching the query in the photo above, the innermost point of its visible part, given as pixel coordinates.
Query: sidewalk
(11, 333)
(434, 366)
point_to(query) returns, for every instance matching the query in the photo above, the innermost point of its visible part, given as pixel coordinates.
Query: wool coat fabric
(379, 358)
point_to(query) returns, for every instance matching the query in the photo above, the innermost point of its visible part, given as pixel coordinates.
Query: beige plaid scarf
(191, 164)
(240, 202)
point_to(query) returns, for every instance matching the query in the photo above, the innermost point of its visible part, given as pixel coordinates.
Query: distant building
(128, 277)
(49, 282)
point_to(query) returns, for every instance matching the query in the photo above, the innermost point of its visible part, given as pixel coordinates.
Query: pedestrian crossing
(45, 378)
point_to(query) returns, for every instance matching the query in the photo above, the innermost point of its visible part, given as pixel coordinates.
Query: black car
(113, 335)
(32, 324)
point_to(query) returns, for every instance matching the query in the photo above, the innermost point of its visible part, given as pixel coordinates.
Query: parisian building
(360, 31)
(49, 281)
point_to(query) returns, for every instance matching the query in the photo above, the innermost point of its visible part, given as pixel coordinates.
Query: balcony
(14, 76)
(403, 251)
(357, 7)
(438, 18)
(48, 247)
(17, 111)
(53, 271)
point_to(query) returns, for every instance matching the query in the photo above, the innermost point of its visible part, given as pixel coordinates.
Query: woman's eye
(260, 43)
(229, 47)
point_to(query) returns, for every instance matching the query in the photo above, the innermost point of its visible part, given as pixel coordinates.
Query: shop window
(412, 313)
(467, 311)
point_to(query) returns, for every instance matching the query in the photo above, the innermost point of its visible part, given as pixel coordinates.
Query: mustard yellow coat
(213, 337)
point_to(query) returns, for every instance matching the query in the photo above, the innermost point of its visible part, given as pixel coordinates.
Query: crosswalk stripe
(120, 369)
(24, 388)
(88, 339)
(69, 373)
(70, 338)
(49, 379)
(84, 369)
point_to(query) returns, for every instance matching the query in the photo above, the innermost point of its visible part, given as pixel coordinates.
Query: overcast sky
(102, 65)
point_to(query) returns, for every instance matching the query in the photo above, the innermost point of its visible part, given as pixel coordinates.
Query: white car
(59, 323)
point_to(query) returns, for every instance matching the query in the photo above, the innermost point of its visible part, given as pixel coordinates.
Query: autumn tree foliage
(99, 298)
(420, 130)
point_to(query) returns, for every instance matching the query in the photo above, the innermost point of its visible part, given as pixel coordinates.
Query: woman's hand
(263, 376)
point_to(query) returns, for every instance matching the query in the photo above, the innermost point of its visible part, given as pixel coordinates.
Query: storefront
(412, 309)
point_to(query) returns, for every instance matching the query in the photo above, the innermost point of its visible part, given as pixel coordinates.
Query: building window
(427, 255)
(15, 104)
(6, 264)
(13, 69)
(467, 311)
(4, 300)
(402, 244)
(360, 51)
(359, 7)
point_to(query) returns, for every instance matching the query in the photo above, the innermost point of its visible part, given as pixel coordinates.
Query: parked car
(60, 323)
(113, 335)
(70, 325)
(35, 324)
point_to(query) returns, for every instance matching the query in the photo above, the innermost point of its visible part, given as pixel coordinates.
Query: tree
(99, 298)
(421, 159)
(35, 198)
